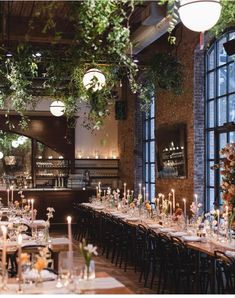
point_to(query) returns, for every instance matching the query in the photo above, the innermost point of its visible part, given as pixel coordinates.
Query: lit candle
(218, 220)
(32, 202)
(226, 212)
(8, 196)
(158, 205)
(69, 220)
(29, 202)
(140, 185)
(99, 187)
(173, 198)
(196, 204)
(12, 194)
(19, 262)
(170, 203)
(144, 192)
(147, 196)
(124, 190)
(132, 193)
(4, 250)
(184, 200)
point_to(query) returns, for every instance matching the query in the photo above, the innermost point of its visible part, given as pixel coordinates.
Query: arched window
(149, 152)
(220, 112)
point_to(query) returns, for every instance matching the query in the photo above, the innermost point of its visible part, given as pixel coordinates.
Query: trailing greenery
(102, 40)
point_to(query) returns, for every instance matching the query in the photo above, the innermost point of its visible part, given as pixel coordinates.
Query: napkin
(132, 218)
(191, 238)
(45, 275)
(230, 253)
(178, 234)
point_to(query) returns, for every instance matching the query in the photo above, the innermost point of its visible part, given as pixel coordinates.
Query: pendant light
(57, 108)
(199, 15)
(94, 79)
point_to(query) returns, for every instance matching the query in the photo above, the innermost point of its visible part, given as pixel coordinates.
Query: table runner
(49, 287)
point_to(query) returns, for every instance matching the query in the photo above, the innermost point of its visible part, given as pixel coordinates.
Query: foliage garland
(102, 29)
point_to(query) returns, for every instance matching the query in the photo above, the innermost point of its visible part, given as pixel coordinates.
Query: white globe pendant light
(1, 155)
(57, 108)
(94, 79)
(199, 15)
(15, 144)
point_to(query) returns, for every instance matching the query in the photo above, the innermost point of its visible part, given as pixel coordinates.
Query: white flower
(91, 249)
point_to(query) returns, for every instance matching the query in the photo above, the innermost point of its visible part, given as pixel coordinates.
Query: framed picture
(171, 151)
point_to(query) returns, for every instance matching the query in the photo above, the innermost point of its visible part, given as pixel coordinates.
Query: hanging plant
(16, 75)
(102, 29)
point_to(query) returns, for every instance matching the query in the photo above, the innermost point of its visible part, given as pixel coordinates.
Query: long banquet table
(199, 246)
(102, 284)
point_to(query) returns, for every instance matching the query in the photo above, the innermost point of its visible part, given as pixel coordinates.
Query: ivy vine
(101, 40)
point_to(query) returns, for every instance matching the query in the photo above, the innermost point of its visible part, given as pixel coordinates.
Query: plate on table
(167, 230)
(155, 226)
(230, 253)
(132, 218)
(191, 238)
(178, 234)
(99, 207)
(120, 215)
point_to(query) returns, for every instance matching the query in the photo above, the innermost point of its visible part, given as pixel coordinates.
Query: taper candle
(69, 220)
(185, 214)
(4, 250)
(32, 214)
(144, 193)
(140, 185)
(8, 197)
(218, 220)
(19, 262)
(170, 203)
(173, 198)
(158, 209)
(196, 204)
(124, 185)
(12, 194)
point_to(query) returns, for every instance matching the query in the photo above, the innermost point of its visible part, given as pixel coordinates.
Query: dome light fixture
(1, 155)
(15, 144)
(199, 15)
(94, 79)
(57, 108)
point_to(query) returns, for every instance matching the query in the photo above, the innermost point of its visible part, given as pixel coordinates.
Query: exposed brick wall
(170, 109)
(126, 134)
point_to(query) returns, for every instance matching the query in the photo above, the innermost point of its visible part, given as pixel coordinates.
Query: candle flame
(69, 219)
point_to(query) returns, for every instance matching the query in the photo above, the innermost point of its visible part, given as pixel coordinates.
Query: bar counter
(61, 199)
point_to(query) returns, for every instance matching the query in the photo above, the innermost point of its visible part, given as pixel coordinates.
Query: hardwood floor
(128, 278)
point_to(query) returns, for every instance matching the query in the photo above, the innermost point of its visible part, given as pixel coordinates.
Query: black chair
(225, 273)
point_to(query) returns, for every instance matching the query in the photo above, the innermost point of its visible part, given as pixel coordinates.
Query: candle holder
(3, 281)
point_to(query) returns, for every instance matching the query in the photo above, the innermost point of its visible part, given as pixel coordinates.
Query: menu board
(171, 151)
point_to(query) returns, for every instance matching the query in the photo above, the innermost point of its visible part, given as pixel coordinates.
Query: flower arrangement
(194, 208)
(49, 215)
(87, 250)
(227, 170)
(42, 259)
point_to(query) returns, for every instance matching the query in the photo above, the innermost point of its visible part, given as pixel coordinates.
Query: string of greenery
(101, 40)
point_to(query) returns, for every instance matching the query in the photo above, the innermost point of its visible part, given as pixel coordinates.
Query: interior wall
(102, 142)
(89, 144)
(172, 109)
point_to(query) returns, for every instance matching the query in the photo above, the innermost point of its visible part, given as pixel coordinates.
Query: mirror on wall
(171, 151)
